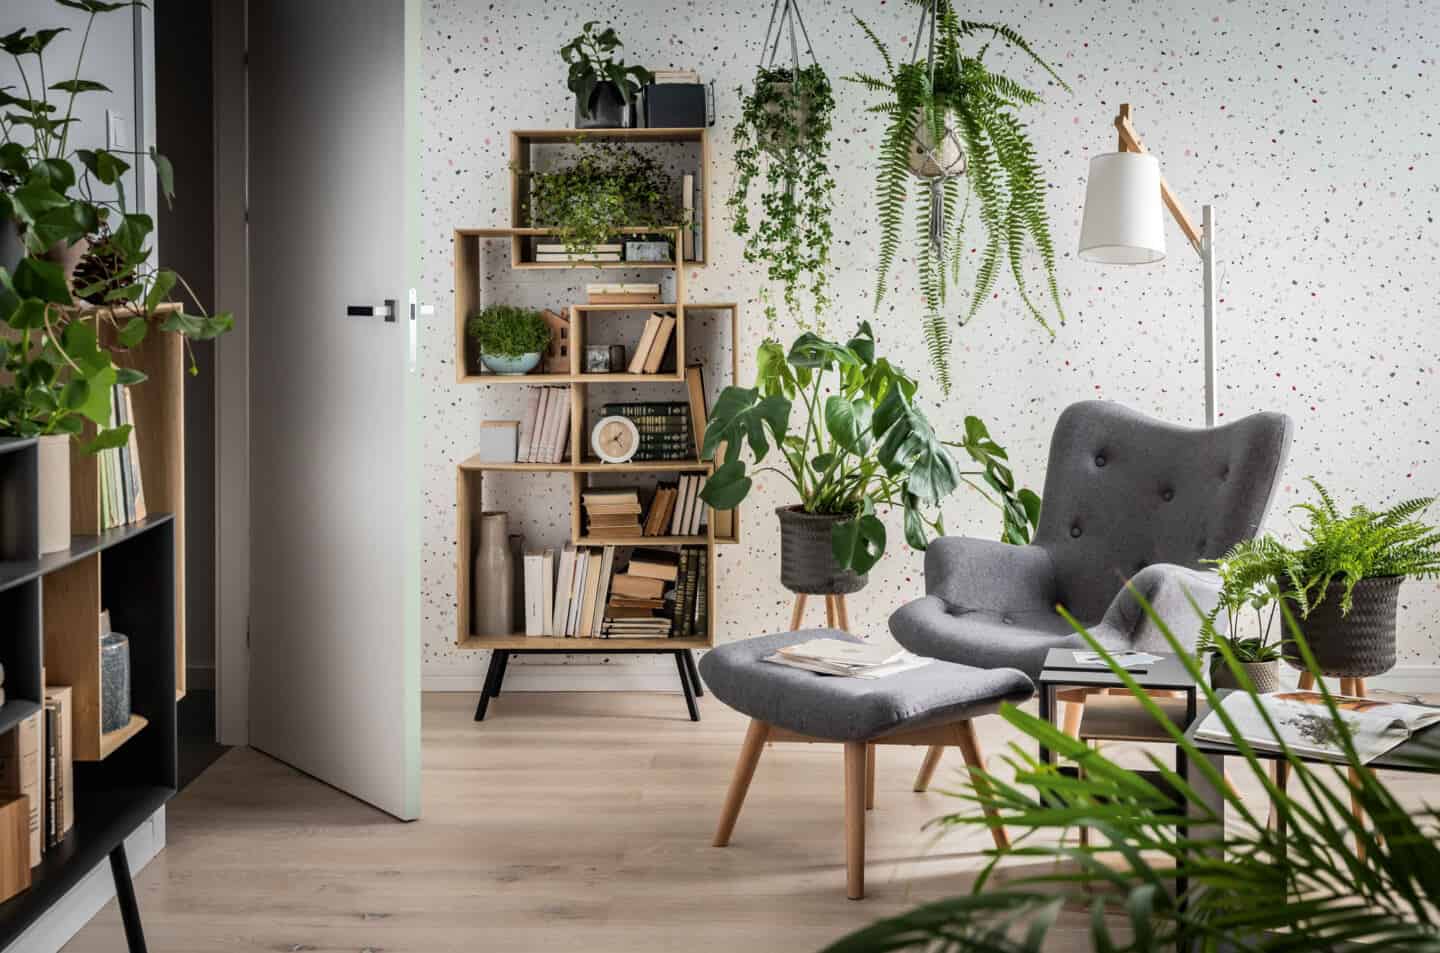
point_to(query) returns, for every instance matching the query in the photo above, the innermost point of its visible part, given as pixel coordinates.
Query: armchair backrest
(1123, 491)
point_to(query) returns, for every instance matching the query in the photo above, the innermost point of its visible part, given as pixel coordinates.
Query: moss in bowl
(510, 339)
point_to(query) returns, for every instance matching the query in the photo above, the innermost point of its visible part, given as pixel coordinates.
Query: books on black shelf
(664, 428)
(122, 485)
(545, 426)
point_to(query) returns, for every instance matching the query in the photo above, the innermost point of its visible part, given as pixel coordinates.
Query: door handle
(386, 310)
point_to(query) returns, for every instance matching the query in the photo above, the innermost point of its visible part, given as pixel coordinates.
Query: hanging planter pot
(935, 158)
(787, 108)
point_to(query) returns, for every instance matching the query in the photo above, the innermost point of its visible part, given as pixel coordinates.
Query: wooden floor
(564, 822)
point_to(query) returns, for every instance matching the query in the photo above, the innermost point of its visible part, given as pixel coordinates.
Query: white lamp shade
(1124, 223)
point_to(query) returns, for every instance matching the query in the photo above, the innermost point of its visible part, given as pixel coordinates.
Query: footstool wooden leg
(870, 777)
(740, 783)
(927, 768)
(970, 749)
(855, 819)
(797, 615)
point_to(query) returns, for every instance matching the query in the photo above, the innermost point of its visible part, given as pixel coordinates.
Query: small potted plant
(860, 444)
(603, 85)
(509, 340)
(602, 188)
(1249, 597)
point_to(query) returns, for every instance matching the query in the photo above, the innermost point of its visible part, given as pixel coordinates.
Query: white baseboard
(562, 678)
(62, 921)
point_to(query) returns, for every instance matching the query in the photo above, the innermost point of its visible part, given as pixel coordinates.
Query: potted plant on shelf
(860, 444)
(77, 285)
(1249, 597)
(510, 340)
(603, 188)
(953, 124)
(782, 154)
(603, 85)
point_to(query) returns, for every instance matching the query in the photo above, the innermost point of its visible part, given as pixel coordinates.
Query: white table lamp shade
(1124, 223)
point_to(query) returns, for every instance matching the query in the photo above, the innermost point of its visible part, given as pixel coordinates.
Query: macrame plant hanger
(785, 20)
(933, 166)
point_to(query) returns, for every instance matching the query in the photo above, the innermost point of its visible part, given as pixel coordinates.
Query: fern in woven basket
(954, 99)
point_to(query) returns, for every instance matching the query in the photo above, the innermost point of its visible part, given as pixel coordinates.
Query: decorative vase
(807, 560)
(1358, 645)
(607, 108)
(492, 587)
(54, 476)
(1265, 676)
(511, 365)
(114, 682)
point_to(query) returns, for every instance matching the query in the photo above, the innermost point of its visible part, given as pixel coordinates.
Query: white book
(577, 591)
(547, 590)
(547, 428)
(697, 508)
(563, 581)
(527, 425)
(602, 595)
(532, 592)
(537, 438)
(687, 198)
(562, 430)
(682, 493)
(138, 489)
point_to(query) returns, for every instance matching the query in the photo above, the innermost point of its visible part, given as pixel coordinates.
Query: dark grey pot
(1359, 645)
(607, 109)
(1265, 676)
(114, 682)
(807, 562)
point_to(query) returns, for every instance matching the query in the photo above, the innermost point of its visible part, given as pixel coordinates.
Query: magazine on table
(1087, 661)
(847, 659)
(1304, 722)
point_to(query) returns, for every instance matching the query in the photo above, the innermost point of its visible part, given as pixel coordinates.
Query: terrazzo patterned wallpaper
(1311, 126)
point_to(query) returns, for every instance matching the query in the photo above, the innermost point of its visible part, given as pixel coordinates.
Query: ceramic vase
(54, 453)
(114, 682)
(492, 588)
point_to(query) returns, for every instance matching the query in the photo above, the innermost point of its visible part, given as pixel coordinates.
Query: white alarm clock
(615, 439)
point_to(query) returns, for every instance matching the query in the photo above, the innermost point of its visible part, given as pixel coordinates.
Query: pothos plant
(861, 443)
(603, 188)
(592, 60)
(59, 199)
(782, 155)
(954, 122)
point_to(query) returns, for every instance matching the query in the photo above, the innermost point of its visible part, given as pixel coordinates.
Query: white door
(334, 402)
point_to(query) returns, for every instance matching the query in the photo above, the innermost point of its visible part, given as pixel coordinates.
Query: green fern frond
(884, 53)
(937, 342)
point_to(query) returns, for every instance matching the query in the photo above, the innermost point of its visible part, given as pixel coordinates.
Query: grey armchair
(1127, 498)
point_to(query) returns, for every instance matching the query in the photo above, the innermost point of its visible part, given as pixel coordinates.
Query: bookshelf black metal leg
(500, 675)
(694, 673)
(125, 897)
(685, 685)
(488, 688)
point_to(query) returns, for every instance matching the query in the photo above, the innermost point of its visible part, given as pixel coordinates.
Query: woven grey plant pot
(1360, 644)
(1265, 676)
(807, 563)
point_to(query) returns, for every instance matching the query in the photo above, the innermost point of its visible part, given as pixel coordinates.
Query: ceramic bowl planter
(1265, 676)
(1358, 645)
(807, 560)
(507, 364)
(54, 454)
(607, 108)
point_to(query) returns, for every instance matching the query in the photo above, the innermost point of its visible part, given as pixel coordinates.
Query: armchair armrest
(987, 574)
(1169, 589)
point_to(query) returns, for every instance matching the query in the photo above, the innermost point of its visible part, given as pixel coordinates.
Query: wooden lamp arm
(1130, 142)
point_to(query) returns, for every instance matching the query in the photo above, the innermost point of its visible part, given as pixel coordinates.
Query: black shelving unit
(131, 779)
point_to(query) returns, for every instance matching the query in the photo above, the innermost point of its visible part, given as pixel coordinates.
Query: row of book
(37, 762)
(584, 592)
(674, 509)
(649, 352)
(545, 428)
(623, 292)
(122, 488)
(665, 428)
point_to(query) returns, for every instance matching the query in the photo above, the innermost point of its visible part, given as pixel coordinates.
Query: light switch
(116, 135)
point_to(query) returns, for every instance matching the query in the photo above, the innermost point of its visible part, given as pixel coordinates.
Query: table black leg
(488, 688)
(125, 897)
(1047, 715)
(694, 673)
(500, 675)
(685, 685)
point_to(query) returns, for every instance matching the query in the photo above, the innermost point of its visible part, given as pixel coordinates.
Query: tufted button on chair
(992, 605)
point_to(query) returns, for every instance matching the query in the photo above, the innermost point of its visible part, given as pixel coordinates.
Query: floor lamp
(1124, 225)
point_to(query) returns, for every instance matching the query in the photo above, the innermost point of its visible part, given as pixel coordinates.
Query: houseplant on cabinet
(603, 188)
(510, 340)
(603, 85)
(71, 312)
(953, 124)
(860, 444)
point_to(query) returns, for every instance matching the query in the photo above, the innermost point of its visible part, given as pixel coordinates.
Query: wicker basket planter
(1265, 676)
(1359, 645)
(807, 562)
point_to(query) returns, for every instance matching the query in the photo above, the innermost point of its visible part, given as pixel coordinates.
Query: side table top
(1166, 673)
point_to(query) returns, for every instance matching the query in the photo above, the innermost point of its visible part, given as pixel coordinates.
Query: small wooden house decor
(557, 358)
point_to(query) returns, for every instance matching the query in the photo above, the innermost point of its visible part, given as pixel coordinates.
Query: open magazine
(1307, 728)
(847, 659)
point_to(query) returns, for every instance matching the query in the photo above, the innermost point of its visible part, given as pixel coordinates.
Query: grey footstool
(931, 706)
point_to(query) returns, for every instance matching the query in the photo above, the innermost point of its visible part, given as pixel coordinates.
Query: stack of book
(668, 75)
(612, 512)
(122, 490)
(664, 428)
(638, 607)
(638, 292)
(545, 428)
(690, 616)
(556, 252)
(649, 352)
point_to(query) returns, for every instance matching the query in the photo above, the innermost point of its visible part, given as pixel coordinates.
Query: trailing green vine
(951, 105)
(783, 156)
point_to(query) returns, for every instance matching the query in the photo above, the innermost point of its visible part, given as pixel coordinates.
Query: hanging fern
(957, 94)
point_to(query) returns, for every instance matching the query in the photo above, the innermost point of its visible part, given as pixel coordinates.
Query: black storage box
(674, 106)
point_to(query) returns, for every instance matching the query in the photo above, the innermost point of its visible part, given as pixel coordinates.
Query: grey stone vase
(1265, 676)
(492, 587)
(114, 681)
(807, 562)
(1358, 645)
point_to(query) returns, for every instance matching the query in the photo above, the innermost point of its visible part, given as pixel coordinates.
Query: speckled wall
(1311, 126)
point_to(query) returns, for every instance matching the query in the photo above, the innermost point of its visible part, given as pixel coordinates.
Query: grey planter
(1265, 676)
(114, 682)
(1359, 645)
(607, 108)
(807, 562)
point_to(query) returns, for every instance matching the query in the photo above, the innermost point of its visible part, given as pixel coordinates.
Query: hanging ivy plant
(954, 124)
(783, 157)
